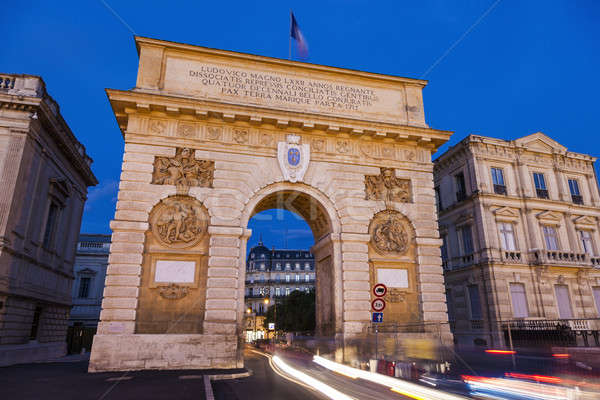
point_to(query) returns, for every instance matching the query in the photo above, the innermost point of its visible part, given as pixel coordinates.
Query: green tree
(295, 313)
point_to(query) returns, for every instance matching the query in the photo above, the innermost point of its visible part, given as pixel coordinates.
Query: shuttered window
(519, 300)
(563, 301)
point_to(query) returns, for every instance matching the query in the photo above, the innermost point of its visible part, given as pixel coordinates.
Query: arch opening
(285, 270)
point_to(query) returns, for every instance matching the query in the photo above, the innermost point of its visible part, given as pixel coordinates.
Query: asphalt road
(65, 381)
(264, 384)
(267, 384)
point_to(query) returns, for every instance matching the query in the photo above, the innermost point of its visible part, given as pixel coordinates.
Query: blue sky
(527, 66)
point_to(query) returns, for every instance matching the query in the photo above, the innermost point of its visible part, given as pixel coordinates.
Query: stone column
(535, 239)
(593, 189)
(8, 178)
(224, 290)
(572, 234)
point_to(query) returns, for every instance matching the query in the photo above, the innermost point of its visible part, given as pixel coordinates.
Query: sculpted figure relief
(387, 187)
(390, 233)
(178, 221)
(173, 292)
(183, 169)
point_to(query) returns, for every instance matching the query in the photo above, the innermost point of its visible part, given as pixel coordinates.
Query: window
(550, 237)
(586, 242)
(540, 185)
(278, 266)
(262, 278)
(507, 236)
(467, 240)
(287, 278)
(444, 249)
(461, 189)
(298, 266)
(51, 222)
(262, 256)
(84, 287)
(277, 291)
(297, 277)
(498, 181)
(519, 300)
(262, 266)
(287, 291)
(574, 189)
(596, 291)
(474, 302)
(35, 323)
(563, 301)
(307, 266)
(450, 305)
(252, 255)
(306, 278)
(287, 265)
(438, 198)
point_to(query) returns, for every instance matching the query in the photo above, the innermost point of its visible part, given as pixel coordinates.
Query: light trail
(396, 385)
(300, 378)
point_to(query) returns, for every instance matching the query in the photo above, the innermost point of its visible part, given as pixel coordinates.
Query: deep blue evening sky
(528, 66)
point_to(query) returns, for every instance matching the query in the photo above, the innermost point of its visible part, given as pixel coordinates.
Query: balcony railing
(512, 256)
(7, 82)
(559, 257)
(577, 199)
(500, 189)
(556, 332)
(542, 193)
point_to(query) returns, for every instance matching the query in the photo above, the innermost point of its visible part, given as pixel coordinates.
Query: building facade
(276, 273)
(44, 175)
(273, 274)
(91, 261)
(519, 225)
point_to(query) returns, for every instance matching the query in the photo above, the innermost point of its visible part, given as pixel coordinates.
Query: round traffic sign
(379, 290)
(378, 304)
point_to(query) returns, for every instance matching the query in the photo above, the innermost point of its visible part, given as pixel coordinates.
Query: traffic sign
(271, 326)
(378, 304)
(379, 290)
(377, 317)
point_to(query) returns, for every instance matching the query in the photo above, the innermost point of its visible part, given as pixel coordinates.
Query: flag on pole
(296, 34)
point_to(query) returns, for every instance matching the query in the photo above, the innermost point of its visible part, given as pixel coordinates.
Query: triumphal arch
(213, 137)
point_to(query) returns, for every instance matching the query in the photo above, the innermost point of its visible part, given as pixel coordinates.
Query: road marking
(119, 379)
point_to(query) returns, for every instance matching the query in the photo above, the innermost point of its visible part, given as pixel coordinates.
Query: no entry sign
(379, 290)
(378, 304)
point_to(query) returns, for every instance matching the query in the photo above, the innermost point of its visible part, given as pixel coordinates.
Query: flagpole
(290, 33)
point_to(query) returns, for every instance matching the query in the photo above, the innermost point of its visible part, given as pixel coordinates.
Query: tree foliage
(295, 313)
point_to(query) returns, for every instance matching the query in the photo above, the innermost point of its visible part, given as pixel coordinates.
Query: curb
(221, 377)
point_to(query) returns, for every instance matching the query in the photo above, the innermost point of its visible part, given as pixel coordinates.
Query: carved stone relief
(178, 221)
(157, 126)
(266, 139)
(342, 146)
(214, 132)
(183, 169)
(390, 233)
(387, 187)
(173, 291)
(186, 130)
(318, 144)
(240, 135)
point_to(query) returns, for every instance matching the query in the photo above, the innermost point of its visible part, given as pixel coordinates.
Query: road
(264, 384)
(268, 383)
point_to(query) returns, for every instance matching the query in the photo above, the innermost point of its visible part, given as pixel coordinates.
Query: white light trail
(399, 386)
(310, 381)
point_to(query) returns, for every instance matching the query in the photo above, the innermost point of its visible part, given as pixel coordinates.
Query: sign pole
(376, 349)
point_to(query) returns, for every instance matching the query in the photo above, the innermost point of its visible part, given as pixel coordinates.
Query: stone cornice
(126, 103)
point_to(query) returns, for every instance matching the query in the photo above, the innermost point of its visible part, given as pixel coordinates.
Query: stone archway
(319, 213)
(234, 134)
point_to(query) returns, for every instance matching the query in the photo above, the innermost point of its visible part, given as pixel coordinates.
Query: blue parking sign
(377, 317)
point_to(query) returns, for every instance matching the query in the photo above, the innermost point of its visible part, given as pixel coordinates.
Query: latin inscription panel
(244, 85)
